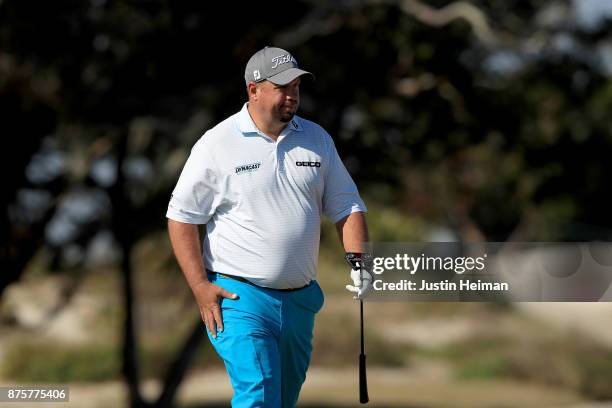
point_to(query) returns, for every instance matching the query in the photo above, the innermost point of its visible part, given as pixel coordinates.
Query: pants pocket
(315, 298)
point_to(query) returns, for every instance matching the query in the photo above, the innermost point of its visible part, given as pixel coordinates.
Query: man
(260, 180)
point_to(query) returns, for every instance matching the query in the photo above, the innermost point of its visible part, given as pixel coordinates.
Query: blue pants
(266, 342)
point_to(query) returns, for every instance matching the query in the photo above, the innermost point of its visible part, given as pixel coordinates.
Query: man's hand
(208, 296)
(362, 283)
(361, 265)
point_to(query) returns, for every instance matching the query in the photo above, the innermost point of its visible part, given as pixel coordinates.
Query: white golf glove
(362, 284)
(361, 265)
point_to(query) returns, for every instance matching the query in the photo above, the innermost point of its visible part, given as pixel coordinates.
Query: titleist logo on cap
(282, 59)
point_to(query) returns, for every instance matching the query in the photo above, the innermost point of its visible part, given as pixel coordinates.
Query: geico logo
(308, 164)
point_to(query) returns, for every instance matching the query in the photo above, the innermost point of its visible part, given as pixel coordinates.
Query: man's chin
(286, 117)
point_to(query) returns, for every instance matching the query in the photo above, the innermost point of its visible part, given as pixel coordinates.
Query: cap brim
(283, 78)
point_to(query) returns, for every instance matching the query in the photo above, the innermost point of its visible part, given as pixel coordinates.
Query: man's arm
(353, 233)
(185, 239)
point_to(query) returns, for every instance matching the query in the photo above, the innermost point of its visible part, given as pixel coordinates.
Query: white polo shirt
(262, 200)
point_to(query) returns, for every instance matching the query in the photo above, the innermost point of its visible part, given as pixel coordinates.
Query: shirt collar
(295, 124)
(246, 124)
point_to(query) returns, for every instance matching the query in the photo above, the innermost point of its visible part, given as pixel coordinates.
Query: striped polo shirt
(262, 200)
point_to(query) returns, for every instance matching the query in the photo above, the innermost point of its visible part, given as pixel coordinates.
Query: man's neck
(271, 129)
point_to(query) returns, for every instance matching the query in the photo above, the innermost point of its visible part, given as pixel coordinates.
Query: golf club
(363, 381)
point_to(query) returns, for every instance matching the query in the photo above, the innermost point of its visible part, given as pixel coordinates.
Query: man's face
(281, 102)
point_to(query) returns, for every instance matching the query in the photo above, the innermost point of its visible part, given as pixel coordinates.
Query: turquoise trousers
(266, 342)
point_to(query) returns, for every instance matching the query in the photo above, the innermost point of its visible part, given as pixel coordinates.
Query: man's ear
(252, 90)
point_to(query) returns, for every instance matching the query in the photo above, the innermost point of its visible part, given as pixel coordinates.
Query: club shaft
(361, 324)
(363, 382)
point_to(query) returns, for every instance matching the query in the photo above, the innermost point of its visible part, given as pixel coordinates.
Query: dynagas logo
(247, 168)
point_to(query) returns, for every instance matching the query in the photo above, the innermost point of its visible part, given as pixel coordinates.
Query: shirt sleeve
(199, 189)
(340, 195)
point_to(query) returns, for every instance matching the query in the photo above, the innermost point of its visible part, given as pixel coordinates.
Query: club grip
(363, 380)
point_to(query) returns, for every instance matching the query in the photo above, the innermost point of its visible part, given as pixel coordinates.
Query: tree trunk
(179, 366)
